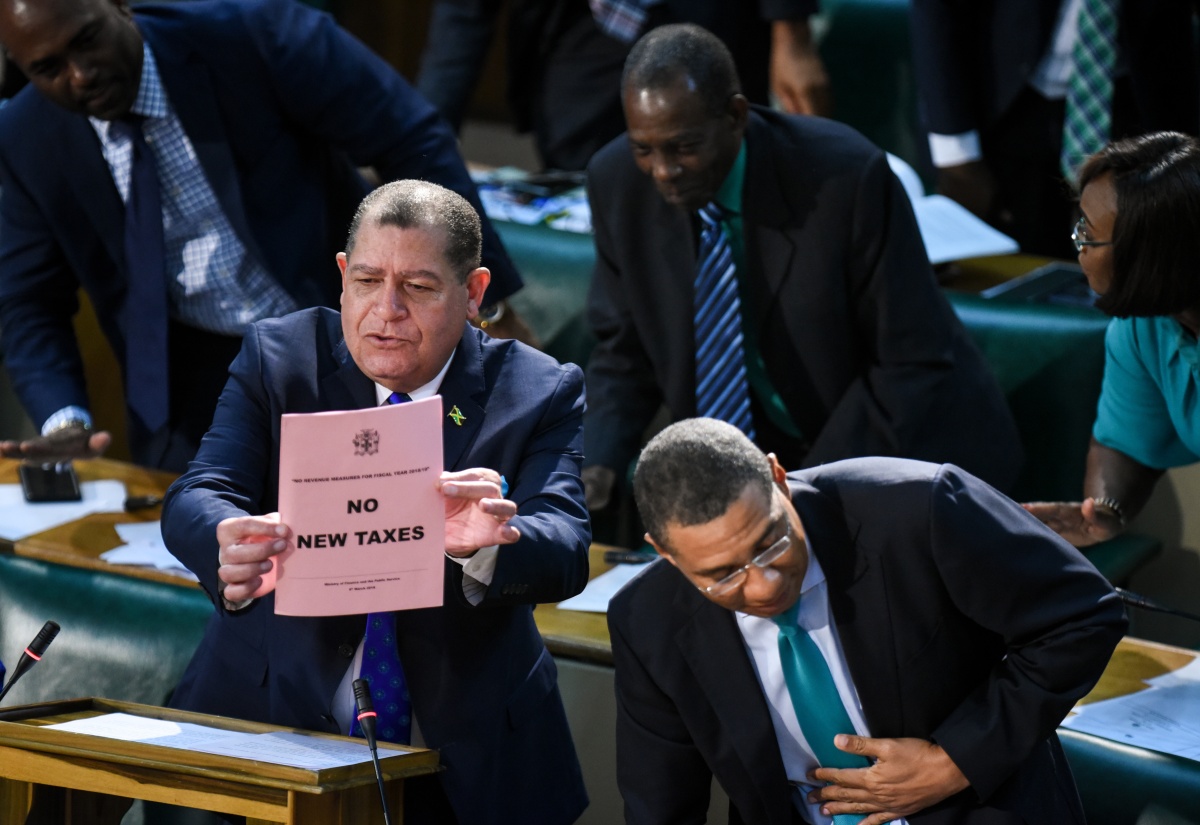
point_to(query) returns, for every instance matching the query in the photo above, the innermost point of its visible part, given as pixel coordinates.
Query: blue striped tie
(722, 390)
(382, 670)
(1087, 122)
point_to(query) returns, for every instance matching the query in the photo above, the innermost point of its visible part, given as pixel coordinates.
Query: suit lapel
(712, 646)
(858, 601)
(346, 388)
(189, 89)
(766, 214)
(463, 393)
(90, 176)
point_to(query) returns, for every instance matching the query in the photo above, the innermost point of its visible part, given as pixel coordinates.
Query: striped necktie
(145, 311)
(722, 389)
(1087, 124)
(815, 698)
(382, 670)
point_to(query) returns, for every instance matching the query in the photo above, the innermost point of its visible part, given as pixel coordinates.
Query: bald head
(84, 55)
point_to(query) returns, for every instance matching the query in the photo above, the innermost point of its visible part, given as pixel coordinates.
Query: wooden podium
(54, 776)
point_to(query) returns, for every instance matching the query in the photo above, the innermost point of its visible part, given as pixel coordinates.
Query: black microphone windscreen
(43, 639)
(362, 696)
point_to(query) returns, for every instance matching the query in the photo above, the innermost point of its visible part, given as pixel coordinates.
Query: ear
(739, 113)
(778, 474)
(477, 284)
(342, 261)
(660, 549)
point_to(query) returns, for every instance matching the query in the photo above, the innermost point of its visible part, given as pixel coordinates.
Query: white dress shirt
(762, 642)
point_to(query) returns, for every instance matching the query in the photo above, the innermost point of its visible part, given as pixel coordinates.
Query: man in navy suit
(257, 116)
(953, 630)
(483, 688)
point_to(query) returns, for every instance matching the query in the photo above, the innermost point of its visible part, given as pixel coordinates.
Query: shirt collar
(151, 100)
(420, 393)
(729, 196)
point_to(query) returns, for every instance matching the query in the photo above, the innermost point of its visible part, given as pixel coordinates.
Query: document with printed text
(358, 489)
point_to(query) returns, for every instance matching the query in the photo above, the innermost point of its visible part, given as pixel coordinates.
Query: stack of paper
(144, 547)
(19, 518)
(600, 590)
(1162, 718)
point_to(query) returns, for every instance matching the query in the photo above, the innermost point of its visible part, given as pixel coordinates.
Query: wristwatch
(1113, 506)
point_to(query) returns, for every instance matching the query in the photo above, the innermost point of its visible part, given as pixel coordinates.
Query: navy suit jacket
(963, 620)
(863, 349)
(483, 687)
(281, 106)
(972, 59)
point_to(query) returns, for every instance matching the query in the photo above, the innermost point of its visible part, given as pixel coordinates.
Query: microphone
(1138, 600)
(32, 655)
(366, 721)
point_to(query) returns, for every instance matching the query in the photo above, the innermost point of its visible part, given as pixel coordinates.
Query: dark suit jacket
(281, 106)
(962, 618)
(972, 59)
(863, 349)
(483, 686)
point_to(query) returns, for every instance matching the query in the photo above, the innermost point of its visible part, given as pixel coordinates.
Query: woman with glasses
(1139, 246)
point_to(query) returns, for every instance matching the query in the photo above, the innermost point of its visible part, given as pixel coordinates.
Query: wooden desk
(47, 765)
(80, 543)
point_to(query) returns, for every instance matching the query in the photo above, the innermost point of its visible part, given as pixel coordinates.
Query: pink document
(358, 489)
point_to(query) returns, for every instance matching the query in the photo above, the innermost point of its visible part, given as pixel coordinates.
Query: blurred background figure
(1016, 94)
(565, 58)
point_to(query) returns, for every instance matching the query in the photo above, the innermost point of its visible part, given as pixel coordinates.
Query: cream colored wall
(1173, 579)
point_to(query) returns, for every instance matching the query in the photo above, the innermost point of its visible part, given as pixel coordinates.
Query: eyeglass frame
(731, 582)
(1079, 237)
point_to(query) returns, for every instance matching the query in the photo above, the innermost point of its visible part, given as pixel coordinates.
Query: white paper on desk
(19, 518)
(358, 489)
(600, 590)
(950, 231)
(1189, 673)
(1161, 719)
(295, 750)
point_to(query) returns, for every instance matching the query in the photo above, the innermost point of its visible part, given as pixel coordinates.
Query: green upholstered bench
(121, 638)
(1049, 361)
(1119, 784)
(557, 268)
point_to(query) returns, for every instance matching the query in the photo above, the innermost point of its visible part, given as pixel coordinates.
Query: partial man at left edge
(254, 118)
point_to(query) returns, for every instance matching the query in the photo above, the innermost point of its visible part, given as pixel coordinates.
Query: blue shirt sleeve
(1142, 396)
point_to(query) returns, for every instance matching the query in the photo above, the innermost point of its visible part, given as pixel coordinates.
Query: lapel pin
(456, 415)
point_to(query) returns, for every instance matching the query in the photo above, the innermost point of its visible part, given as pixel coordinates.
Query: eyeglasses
(738, 577)
(1080, 237)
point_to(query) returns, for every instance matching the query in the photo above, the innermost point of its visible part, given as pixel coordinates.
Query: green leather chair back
(1119, 784)
(121, 638)
(1049, 361)
(867, 52)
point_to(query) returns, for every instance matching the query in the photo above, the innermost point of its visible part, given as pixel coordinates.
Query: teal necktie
(815, 697)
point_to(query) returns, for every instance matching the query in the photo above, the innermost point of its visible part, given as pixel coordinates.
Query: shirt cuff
(954, 150)
(65, 416)
(478, 570)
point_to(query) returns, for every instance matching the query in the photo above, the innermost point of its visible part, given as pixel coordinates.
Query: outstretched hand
(1081, 523)
(66, 444)
(908, 775)
(476, 513)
